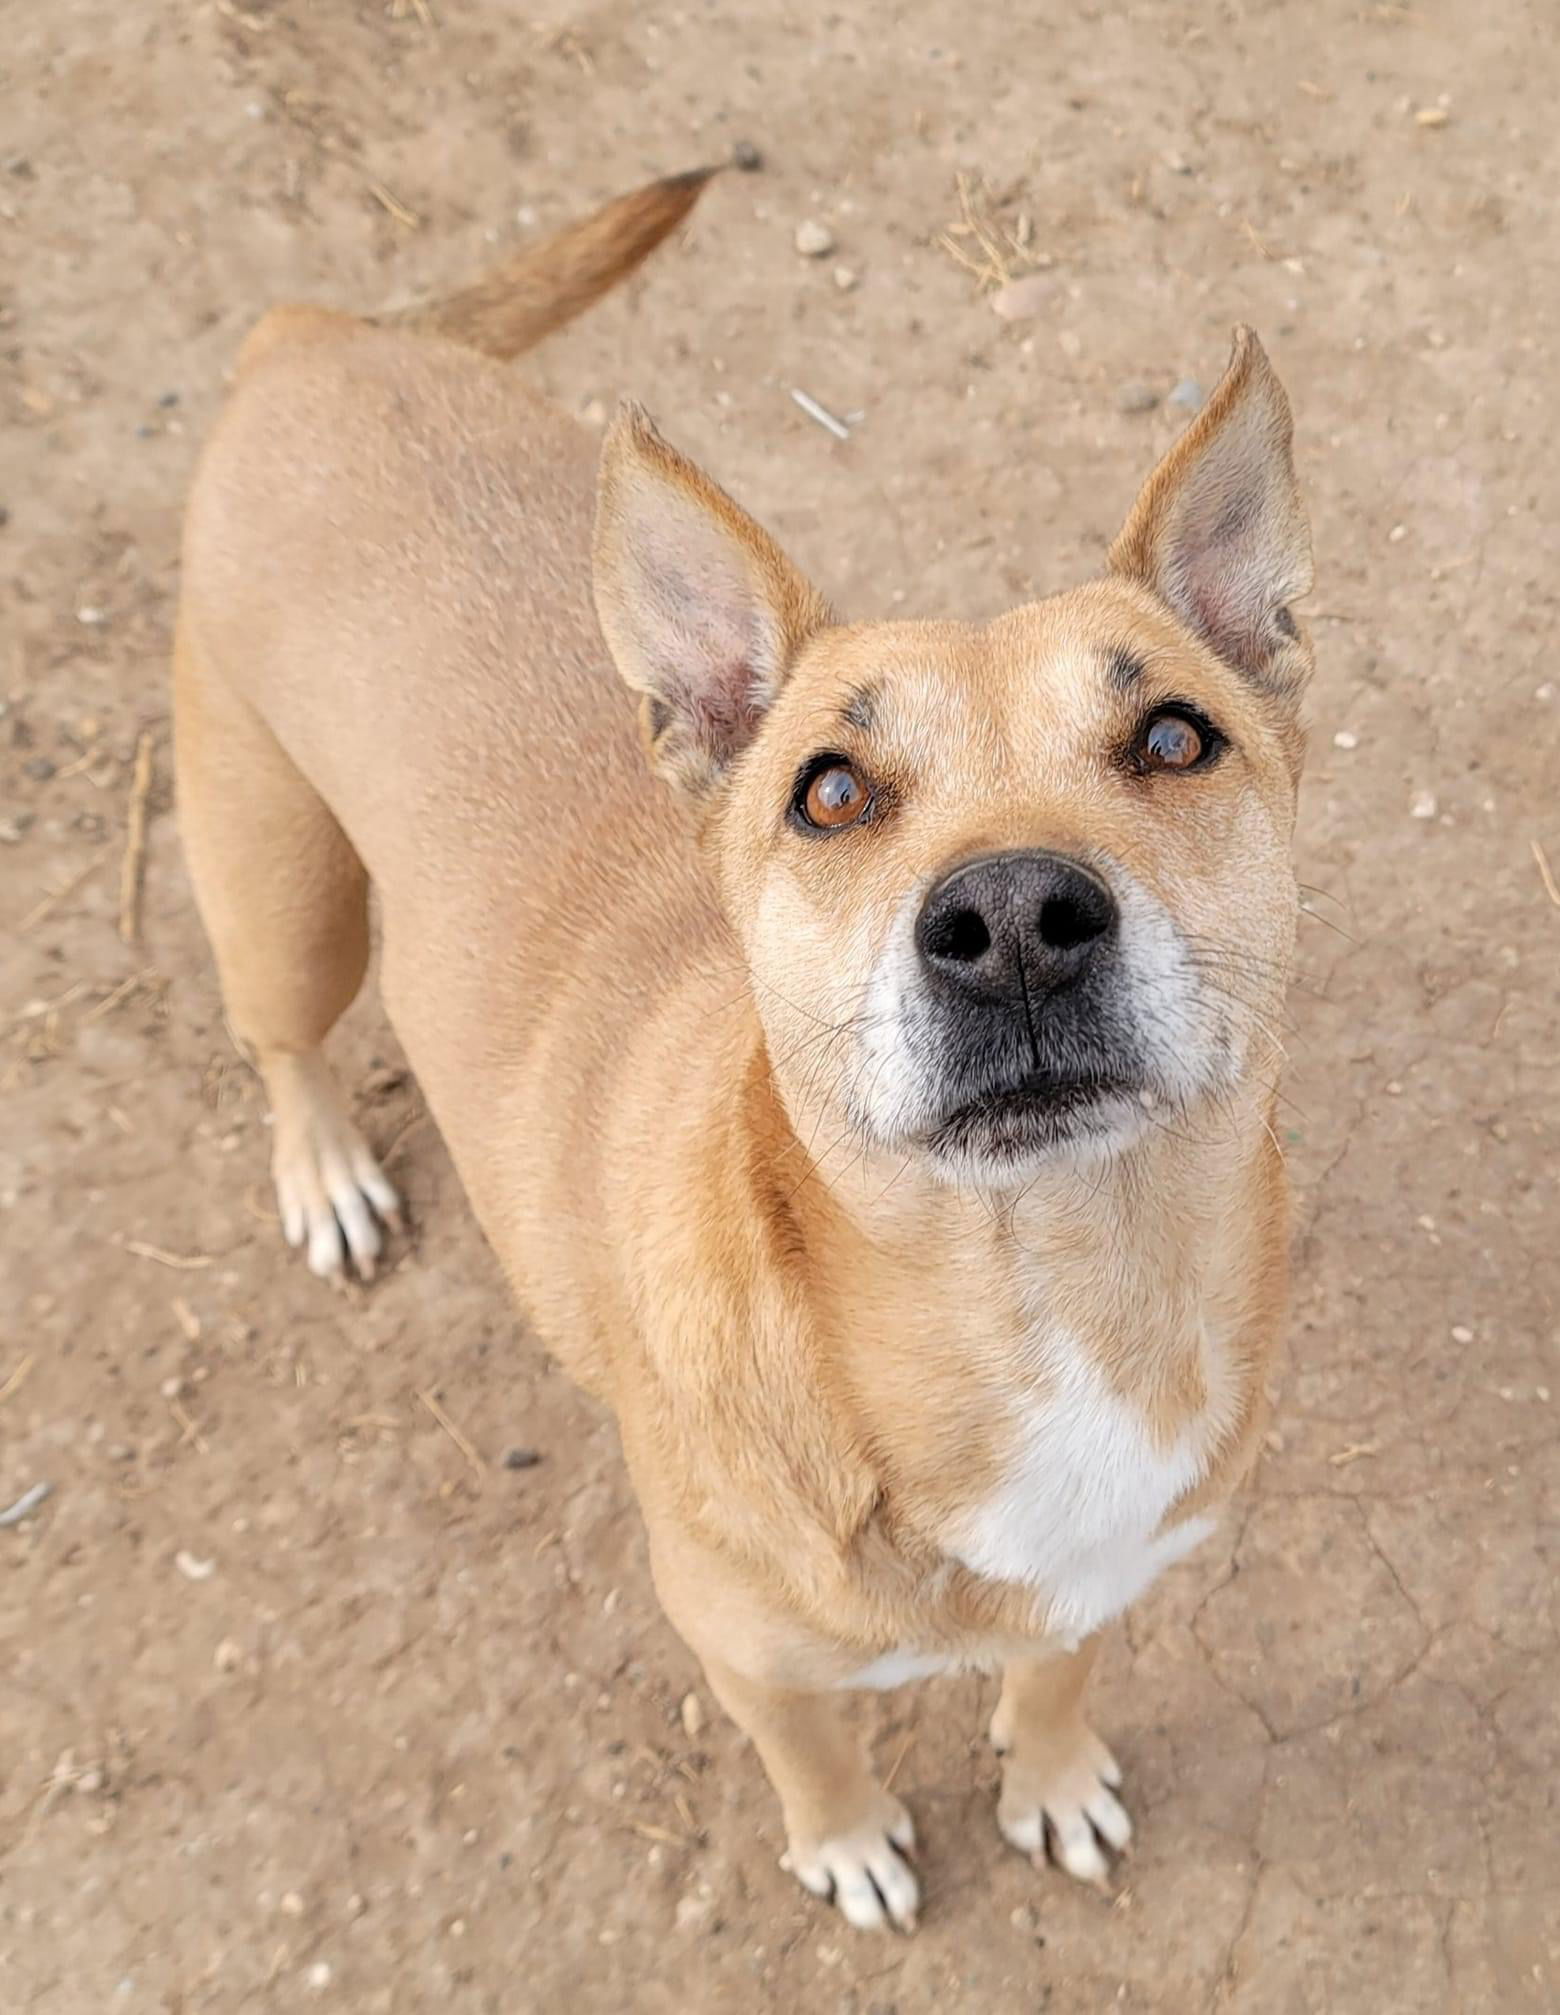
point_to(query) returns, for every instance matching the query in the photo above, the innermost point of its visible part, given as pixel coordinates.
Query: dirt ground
(307, 1700)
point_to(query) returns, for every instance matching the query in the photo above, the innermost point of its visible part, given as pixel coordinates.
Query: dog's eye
(833, 795)
(1173, 740)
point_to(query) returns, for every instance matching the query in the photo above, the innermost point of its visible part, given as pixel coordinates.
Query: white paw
(333, 1194)
(865, 1871)
(1073, 1808)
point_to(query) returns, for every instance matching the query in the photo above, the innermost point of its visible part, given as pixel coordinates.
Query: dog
(856, 1039)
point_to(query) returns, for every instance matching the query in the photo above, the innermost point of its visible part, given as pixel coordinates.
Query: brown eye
(835, 796)
(1172, 742)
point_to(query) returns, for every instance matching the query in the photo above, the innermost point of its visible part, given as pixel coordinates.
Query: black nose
(1015, 926)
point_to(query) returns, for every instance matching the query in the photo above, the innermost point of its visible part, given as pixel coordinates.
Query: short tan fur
(922, 1357)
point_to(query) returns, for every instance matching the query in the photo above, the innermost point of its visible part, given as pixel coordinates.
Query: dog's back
(386, 634)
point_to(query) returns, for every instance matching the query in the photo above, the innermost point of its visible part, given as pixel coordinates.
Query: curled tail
(548, 284)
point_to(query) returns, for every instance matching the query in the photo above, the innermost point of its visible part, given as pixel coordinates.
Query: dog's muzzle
(1019, 963)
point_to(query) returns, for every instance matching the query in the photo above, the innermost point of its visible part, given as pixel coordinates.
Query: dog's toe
(865, 1871)
(333, 1198)
(1073, 1810)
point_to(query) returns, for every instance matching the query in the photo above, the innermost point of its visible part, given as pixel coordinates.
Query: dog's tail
(549, 284)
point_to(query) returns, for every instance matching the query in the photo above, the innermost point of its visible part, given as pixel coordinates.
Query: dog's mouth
(1041, 1112)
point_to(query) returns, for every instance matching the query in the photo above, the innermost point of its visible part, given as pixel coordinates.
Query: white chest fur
(1077, 1515)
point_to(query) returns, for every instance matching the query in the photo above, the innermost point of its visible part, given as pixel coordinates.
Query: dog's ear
(701, 610)
(1219, 531)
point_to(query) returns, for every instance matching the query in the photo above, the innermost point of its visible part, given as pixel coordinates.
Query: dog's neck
(1141, 1252)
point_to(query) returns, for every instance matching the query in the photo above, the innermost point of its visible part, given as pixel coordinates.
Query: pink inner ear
(1228, 558)
(720, 705)
(1227, 603)
(1218, 531)
(708, 652)
(699, 607)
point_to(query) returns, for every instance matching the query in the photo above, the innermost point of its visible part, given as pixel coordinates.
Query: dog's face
(1013, 889)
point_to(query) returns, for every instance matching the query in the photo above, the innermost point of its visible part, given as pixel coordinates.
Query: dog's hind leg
(284, 899)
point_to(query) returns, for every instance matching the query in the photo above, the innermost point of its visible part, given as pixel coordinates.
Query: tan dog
(873, 1109)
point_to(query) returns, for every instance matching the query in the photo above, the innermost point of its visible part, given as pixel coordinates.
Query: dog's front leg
(1058, 1778)
(847, 1837)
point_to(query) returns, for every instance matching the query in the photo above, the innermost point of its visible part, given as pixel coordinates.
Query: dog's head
(1004, 889)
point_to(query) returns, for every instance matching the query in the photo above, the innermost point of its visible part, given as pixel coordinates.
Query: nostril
(1066, 921)
(959, 935)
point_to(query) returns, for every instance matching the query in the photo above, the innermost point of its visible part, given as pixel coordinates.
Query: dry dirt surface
(307, 1696)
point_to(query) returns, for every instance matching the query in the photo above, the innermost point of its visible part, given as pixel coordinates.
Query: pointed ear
(1219, 531)
(701, 610)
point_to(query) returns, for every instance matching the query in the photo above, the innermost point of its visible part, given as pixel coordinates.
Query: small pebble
(692, 1712)
(1461, 1333)
(318, 1975)
(846, 278)
(40, 769)
(1397, 535)
(1425, 806)
(1026, 1918)
(91, 615)
(1020, 300)
(522, 1458)
(1189, 394)
(1432, 115)
(193, 1569)
(357, 1905)
(291, 1904)
(695, 1910)
(171, 1387)
(745, 155)
(594, 412)
(121, 1451)
(91, 1781)
(166, 399)
(1136, 397)
(814, 240)
(1346, 738)
(227, 1655)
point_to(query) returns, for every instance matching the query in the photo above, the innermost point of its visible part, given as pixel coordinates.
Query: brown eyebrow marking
(860, 710)
(1125, 670)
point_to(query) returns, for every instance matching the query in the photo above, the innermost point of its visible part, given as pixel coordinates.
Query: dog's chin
(1001, 1136)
